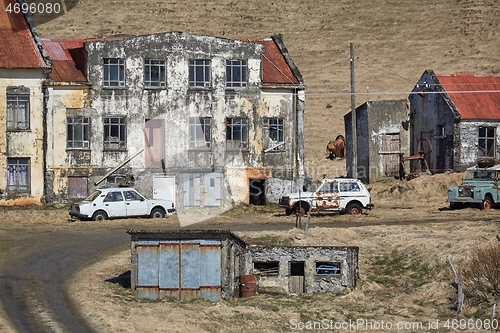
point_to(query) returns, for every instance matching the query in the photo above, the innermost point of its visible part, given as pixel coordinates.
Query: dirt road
(40, 258)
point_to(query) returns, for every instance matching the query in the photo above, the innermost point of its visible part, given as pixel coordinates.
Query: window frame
(327, 263)
(205, 81)
(121, 144)
(108, 65)
(232, 125)
(16, 98)
(199, 129)
(266, 268)
(274, 125)
(16, 188)
(482, 149)
(85, 143)
(161, 75)
(236, 73)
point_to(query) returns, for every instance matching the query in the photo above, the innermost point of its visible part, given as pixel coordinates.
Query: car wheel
(157, 213)
(288, 211)
(353, 209)
(487, 203)
(301, 208)
(100, 216)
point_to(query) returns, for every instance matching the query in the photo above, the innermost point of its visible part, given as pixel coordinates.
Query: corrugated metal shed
(18, 48)
(474, 96)
(275, 69)
(63, 66)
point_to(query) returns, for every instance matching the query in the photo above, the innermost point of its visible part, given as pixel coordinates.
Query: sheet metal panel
(190, 264)
(148, 254)
(169, 265)
(475, 96)
(148, 292)
(210, 269)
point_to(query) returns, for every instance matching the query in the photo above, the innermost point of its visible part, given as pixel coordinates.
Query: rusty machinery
(421, 156)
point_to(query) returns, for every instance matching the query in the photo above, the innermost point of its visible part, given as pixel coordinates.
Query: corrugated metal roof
(475, 96)
(275, 69)
(63, 66)
(17, 45)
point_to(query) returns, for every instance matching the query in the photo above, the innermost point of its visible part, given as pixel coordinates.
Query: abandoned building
(210, 264)
(382, 136)
(204, 121)
(23, 70)
(459, 114)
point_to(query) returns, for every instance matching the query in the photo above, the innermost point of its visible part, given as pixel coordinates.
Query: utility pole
(353, 120)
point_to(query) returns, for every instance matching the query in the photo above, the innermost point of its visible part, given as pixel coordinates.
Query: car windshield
(92, 196)
(478, 174)
(314, 186)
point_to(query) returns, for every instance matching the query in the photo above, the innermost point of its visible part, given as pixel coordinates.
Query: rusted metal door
(210, 269)
(390, 154)
(189, 267)
(169, 282)
(77, 187)
(147, 275)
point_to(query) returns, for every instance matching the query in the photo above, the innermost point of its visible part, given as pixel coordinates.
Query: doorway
(296, 283)
(257, 191)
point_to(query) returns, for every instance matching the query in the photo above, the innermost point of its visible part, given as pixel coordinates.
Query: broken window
(154, 73)
(114, 133)
(200, 133)
(237, 133)
(329, 187)
(199, 73)
(114, 72)
(18, 111)
(77, 132)
(327, 268)
(274, 130)
(266, 268)
(486, 141)
(115, 180)
(18, 175)
(236, 73)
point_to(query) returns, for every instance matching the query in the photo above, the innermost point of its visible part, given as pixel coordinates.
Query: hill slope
(395, 41)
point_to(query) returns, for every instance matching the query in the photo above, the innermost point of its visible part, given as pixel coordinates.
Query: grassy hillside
(395, 41)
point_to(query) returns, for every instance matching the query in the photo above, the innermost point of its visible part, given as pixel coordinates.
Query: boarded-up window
(77, 187)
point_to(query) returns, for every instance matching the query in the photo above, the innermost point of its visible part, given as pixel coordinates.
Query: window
(18, 111)
(113, 197)
(200, 133)
(237, 133)
(349, 187)
(114, 72)
(486, 141)
(199, 73)
(266, 268)
(274, 130)
(18, 175)
(115, 180)
(236, 73)
(154, 73)
(327, 268)
(132, 196)
(114, 133)
(329, 187)
(78, 132)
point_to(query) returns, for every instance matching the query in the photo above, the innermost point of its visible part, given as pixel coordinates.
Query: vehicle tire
(99, 216)
(353, 209)
(486, 162)
(288, 211)
(157, 213)
(301, 208)
(487, 203)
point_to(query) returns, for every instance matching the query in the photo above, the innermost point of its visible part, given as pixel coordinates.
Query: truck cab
(479, 188)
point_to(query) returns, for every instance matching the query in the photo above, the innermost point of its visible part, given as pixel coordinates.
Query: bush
(481, 274)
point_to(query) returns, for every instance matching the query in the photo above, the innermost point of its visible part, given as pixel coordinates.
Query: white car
(120, 202)
(344, 195)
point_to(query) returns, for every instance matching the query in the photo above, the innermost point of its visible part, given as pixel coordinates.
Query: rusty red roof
(64, 68)
(18, 48)
(275, 69)
(475, 96)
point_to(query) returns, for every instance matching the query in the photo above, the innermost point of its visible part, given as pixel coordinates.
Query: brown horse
(336, 148)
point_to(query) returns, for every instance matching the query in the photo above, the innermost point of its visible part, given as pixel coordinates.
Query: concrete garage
(209, 264)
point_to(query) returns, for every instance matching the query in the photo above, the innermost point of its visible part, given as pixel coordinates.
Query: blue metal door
(210, 269)
(147, 275)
